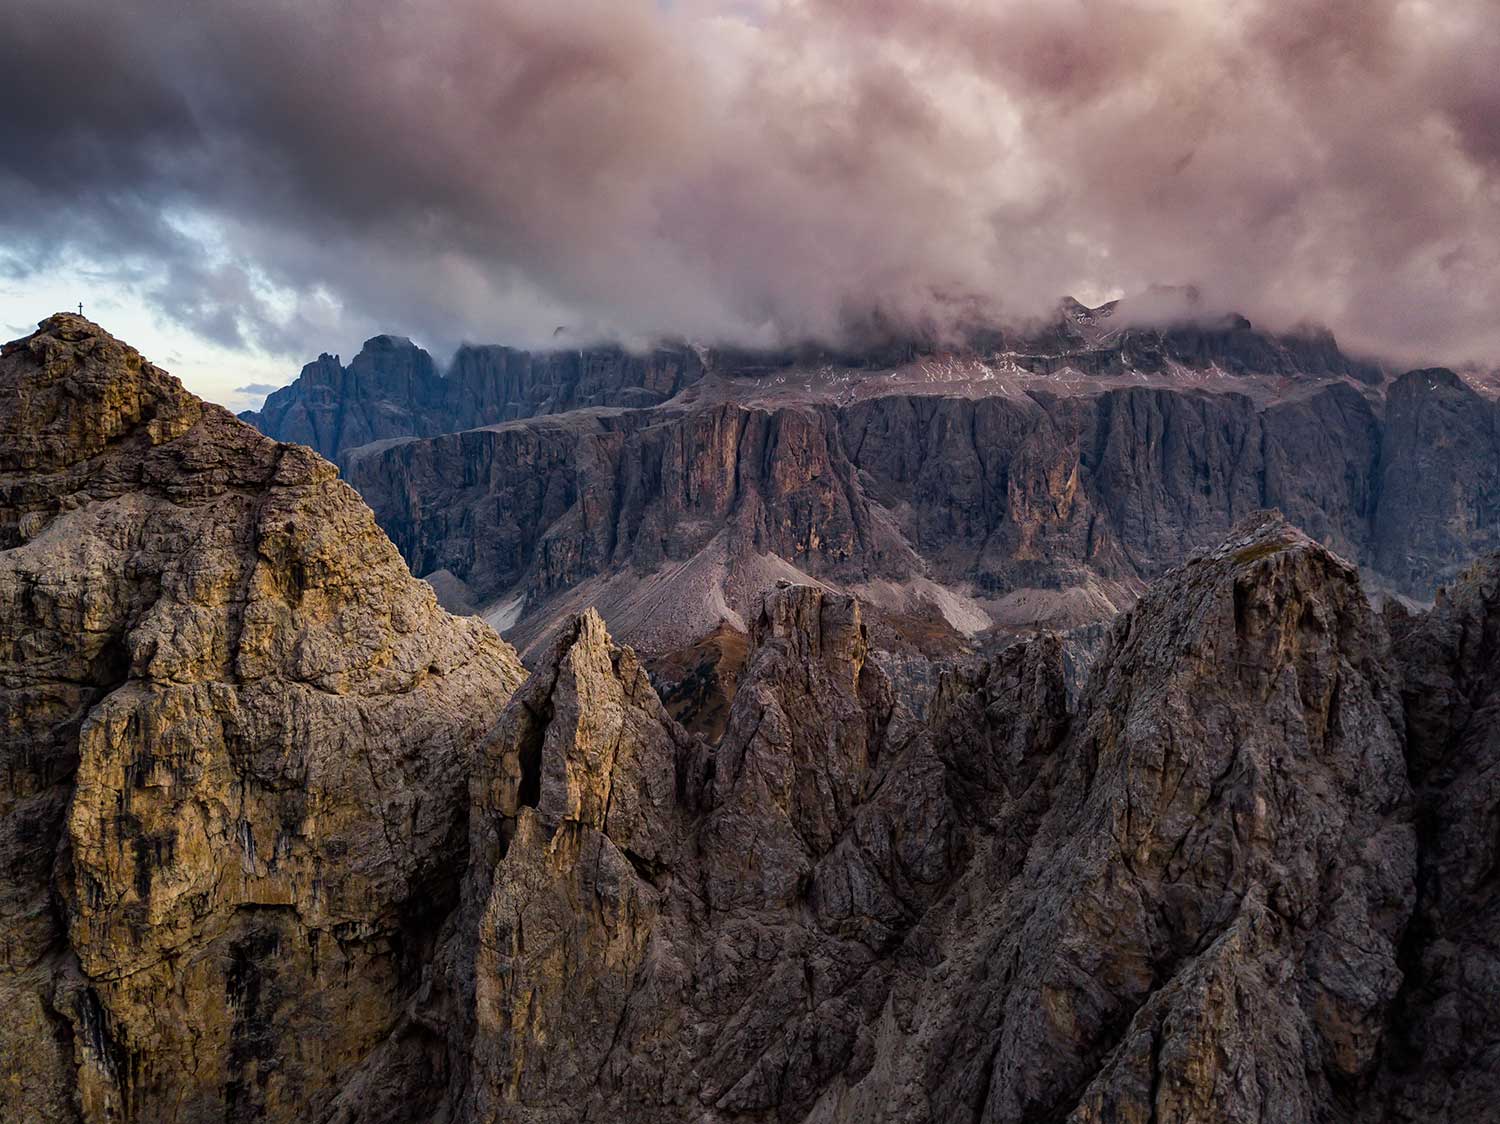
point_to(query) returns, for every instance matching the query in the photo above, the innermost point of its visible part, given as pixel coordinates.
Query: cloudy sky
(235, 186)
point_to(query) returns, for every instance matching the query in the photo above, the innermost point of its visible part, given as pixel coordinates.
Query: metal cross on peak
(80, 308)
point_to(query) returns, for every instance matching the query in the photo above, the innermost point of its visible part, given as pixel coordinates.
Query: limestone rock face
(576, 834)
(1038, 511)
(643, 942)
(1009, 482)
(1444, 1058)
(1185, 901)
(1439, 481)
(1013, 485)
(1207, 920)
(237, 736)
(540, 508)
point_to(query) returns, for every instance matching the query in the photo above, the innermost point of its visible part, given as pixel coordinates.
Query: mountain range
(286, 841)
(965, 494)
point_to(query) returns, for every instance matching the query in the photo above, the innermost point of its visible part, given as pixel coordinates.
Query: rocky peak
(810, 623)
(1428, 379)
(389, 343)
(237, 740)
(1232, 824)
(1256, 535)
(588, 743)
(803, 739)
(577, 798)
(1204, 872)
(84, 391)
(390, 362)
(393, 389)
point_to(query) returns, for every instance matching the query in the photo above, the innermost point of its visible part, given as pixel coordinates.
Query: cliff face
(393, 389)
(1443, 1054)
(1439, 481)
(1209, 893)
(1038, 509)
(538, 509)
(1126, 483)
(236, 736)
(1013, 482)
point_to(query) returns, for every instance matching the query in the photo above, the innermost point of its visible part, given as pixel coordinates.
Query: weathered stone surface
(539, 508)
(646, 958)
(1042, 510)
(1186, 901)
(1444, 1056)
(1038, 511)
(1206, 923)
(577, 831)
(237, 734)
(1439, 481)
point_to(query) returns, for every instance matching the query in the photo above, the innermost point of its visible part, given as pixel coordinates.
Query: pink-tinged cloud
(490, 169)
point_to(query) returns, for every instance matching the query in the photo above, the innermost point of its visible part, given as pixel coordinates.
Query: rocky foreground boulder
(280, 850)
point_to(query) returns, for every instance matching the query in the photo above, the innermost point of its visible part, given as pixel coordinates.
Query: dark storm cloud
(491, 169)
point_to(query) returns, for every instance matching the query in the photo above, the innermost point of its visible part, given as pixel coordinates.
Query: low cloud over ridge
(489, 169)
